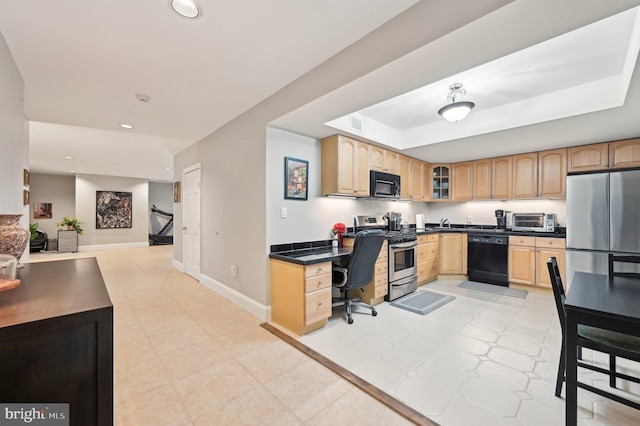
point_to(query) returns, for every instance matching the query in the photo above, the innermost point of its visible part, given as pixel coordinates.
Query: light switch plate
(469, 219)
(283, 212)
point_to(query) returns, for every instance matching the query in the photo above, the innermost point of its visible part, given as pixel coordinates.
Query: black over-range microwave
(384, 185)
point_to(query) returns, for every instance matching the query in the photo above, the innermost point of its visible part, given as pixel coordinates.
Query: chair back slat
(624, 259)
(558, 291)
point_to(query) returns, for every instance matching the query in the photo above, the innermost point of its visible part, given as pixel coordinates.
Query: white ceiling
(83, 63)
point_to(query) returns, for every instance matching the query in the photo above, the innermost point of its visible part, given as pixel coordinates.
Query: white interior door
(191, 221)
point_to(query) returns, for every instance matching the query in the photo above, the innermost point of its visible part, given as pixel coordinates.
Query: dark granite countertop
(477, 230)
(311, 256)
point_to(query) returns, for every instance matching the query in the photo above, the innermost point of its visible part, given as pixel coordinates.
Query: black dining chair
(612, 343)
(623, 259)
(357, 269)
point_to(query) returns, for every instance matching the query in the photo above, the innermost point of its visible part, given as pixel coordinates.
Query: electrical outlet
(234, 271)
(469, 219)
(283, 212)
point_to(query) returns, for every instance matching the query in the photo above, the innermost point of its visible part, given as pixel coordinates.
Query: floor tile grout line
(383, 397)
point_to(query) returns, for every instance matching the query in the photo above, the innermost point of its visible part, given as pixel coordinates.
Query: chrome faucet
(444, 223)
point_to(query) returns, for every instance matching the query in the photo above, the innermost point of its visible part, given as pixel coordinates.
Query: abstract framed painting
(114, 209)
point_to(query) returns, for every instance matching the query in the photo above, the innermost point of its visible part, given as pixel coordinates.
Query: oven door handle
(404, 245)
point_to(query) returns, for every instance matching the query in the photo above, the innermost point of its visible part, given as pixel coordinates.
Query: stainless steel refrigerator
(603, 216)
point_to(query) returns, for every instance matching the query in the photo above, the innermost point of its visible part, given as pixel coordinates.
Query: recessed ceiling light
(67, 157)
(126, 126)
(167, 168)
(186, 8)
(72, 171)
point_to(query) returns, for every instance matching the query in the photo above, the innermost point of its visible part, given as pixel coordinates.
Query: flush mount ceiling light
(186, 8)
(126, 126)
(456, 111)
(67, 157)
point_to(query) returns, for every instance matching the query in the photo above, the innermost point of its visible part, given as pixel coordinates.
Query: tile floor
(481, 359)
(186, 356)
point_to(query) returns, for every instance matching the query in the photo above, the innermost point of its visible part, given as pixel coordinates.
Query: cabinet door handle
(319, 303)
(319, 283)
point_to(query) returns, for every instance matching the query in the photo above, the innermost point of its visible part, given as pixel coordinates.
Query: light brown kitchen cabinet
(525, 175)
(588, 158)
(300, 295)
(383, 160)
(441, 180)
(623, 154)
(546, 248)
(405, 175)
(502, 178)
(453, 254)
(428, 254)
(482, 179)
(416, 170)
(522, 260)
(374, 292)
(462, 181)
(345, 167)
(528, 259)
(552, 173)
(427, 183)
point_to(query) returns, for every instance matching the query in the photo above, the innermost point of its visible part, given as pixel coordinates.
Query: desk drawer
(317, 269)
(522, 241)
(381, 268)
(381, 279)
(317, 283)
(380, 291)
(317, 306)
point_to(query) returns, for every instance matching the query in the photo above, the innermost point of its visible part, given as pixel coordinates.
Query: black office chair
(609, 342)
(614, 258)
(39, 243)
(357, 269)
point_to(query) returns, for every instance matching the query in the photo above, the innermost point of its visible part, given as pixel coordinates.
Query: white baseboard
(177, 265)
(258, 310)
(99, 247)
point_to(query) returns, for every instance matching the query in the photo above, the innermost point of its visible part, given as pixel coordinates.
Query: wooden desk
(56, 340)
(596, 301)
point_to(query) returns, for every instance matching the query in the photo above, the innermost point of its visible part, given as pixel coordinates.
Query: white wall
(137, 235)
(160, 195)
(58, 190)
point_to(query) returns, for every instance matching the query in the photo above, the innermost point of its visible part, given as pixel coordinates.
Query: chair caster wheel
(374, 312)
(350, 320)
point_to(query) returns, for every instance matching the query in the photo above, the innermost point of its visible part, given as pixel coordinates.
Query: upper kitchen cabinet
(552, 173)
(383, 160)
(405, 175)
(462, 181)
(623, 154)
(345, 167)
(416, 171)
(482, 179)
(427, 183)
(525, 175)
(502, 178)
(588, 158)
(441, 179)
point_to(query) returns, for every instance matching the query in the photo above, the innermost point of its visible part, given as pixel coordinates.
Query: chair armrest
(339, 278)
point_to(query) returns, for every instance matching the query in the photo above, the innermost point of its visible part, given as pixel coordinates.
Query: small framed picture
(296, 173)
(25, 177)
(176, 192)
(42, 210)
(25, 197)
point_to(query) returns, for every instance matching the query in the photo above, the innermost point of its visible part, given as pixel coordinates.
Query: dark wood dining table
(598, 301)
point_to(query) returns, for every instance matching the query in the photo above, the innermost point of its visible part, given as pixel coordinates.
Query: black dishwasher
(487, 259)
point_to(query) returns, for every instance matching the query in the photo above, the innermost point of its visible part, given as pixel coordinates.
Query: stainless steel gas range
(403, 269)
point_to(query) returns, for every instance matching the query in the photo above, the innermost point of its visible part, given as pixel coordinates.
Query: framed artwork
(25, 177)
(176, 192)
(25, 197)
(42, 210)
(296, 173)
(113, 209)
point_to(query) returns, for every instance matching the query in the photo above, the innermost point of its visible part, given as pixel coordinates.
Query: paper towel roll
(420, 221)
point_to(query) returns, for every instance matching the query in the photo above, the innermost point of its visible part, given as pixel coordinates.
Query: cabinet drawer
(317, 306)
(317, 283)
(380, 291)
(433, 238)
(542, 242)
(381, 268)
(381, 279)
(383, 257)
(317, 269)
(422, 239)
(522, 241)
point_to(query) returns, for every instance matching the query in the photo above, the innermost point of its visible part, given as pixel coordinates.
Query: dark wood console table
(56, 340)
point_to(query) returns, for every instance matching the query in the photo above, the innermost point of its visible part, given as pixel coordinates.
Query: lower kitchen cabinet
(528, 259)
(374, 292)
(428, 257)
(453, 254)
(300, 295)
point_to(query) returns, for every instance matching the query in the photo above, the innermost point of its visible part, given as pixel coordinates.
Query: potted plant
(71, 224)
(33, 228)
